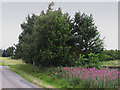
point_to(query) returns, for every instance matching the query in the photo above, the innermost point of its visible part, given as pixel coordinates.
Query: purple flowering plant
(79, 77)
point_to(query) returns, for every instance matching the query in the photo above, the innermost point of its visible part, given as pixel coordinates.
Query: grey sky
(105, 15)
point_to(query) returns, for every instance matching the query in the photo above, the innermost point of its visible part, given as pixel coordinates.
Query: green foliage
(54, 39)
(113, 54)
(81, 60)
(103, 56)
(25, 46)
(93, 60)
(109, 55)
(18, 52)
(13, 57)
(85, 37)
(8, 52)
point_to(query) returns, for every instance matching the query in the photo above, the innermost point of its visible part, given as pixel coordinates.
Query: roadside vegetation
(63, 51)
(110, 63)
(28, 71)
(7, 61)
(65, 77)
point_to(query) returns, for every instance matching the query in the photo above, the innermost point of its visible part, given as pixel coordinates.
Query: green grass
(110, 63)
(44, 75)
(28, 72)
(3, 64)
(25, 75)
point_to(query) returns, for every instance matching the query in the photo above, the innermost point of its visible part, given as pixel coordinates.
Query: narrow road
(9, 79)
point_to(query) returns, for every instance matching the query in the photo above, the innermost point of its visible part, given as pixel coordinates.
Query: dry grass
(6, 61)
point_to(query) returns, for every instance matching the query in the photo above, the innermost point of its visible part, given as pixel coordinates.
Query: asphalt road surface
(9, 79)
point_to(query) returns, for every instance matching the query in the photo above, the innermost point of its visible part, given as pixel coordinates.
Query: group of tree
(110, 55)
(9, 52)
(54, 38)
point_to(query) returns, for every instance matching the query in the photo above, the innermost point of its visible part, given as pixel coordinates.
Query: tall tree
(50, 7)
(51, 31)
(85, 37)
(24, 47)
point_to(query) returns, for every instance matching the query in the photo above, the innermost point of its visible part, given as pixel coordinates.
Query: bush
(91, 61)
(81, 60)
(103, 56)
(13, 57)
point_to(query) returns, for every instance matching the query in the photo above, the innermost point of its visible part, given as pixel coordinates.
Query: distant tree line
(54, 39)
(9, 52)
(107, 55)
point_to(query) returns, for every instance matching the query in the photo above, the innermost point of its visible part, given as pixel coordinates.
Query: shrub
(93, 60)
(13, 57)
(81, 60)
(103, 56)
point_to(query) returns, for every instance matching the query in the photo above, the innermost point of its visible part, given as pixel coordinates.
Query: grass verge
(110, 63)
(26, 76)
(7, 61)
(27, 71)
(40, 77)
(43, 77)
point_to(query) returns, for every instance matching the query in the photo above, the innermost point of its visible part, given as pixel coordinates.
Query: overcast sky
(105, 15)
